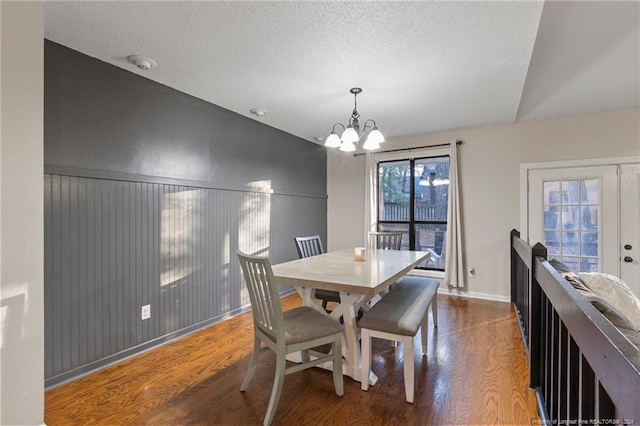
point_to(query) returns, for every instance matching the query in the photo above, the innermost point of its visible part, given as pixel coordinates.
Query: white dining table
(358, 282)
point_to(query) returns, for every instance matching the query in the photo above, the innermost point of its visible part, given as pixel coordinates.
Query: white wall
(21, 214)
(345, 203)
(489, 159)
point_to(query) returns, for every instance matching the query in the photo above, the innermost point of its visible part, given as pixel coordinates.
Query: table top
(339, 271)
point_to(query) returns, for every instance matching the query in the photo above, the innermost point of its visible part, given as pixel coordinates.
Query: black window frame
(412, 222)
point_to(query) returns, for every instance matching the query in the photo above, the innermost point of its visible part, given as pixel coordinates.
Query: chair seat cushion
(304, 323)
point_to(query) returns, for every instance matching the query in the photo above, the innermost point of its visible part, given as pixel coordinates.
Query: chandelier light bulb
(333, 141)
(370, 143)
(347, 147)
(350, 135)
(376, 136)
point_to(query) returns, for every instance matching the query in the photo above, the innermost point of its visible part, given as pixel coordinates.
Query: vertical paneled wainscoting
(112, 246)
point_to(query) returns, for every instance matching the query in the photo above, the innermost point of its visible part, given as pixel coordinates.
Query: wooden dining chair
(309, 246)
(437, 260)
(312, 246)
(385, 240)
(296, 330)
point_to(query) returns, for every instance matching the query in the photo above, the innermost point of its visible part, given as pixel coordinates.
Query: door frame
(629, 226)
(524, 180)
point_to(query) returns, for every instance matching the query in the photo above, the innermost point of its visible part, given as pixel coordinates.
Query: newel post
(535, 318)
(514, 265)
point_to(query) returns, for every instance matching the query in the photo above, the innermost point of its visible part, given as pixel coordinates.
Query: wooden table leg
(352, 353)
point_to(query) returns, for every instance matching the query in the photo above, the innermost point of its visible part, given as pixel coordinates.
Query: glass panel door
(574, 212)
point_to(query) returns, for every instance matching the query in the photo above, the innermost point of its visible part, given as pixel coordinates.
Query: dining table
(359, 283)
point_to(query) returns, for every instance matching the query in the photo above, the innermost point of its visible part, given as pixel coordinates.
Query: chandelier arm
(333, 130)
(366, 125)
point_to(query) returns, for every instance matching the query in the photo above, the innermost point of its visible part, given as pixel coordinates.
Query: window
(413, 198)
(573, 210)
(570, 214)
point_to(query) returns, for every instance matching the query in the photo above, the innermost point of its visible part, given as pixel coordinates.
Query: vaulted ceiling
(423, 66)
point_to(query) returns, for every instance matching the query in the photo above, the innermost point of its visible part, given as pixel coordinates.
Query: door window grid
(571, 212)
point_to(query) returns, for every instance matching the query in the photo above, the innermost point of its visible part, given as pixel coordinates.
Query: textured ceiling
(424, 66)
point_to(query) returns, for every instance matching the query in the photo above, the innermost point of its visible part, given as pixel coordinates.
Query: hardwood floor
(475, 372)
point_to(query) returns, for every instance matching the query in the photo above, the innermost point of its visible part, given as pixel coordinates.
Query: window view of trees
(571, 228)
(413, 198)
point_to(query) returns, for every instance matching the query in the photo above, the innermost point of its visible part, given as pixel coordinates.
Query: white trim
(473, 295)
(438, 275)
(524, 203)
(605, 161)
(524, 179)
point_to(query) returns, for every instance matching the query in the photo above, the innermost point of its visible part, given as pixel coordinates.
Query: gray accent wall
(148, 194)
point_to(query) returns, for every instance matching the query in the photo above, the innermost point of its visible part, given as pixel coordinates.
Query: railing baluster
(573, 374)
(563, 373)
(588, 391)
(606, 408)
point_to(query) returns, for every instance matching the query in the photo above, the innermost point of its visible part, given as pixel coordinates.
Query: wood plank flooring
(475, 372)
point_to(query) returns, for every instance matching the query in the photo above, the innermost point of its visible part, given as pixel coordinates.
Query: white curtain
(370, 198)
(454, 266)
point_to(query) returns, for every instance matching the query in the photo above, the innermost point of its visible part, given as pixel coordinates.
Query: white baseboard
(437, 275)
(474, 295)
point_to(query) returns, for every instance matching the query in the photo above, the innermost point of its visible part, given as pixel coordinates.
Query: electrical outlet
(472, 272)
(146, 312)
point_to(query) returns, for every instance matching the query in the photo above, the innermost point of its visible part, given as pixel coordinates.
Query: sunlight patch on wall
(180, 233)
(254, 226)
(14, 307)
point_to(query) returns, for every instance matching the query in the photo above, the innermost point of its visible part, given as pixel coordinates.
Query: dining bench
(397, 317)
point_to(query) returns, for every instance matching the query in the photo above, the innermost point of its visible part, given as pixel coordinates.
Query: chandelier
(351, 133)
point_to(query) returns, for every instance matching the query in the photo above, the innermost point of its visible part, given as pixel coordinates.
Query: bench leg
(425, 322)
(409, 374)
(434, 309)
(338, 381)
(424, 331)
(365, 364)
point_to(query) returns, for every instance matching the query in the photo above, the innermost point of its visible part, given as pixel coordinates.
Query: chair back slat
(263, 292)
(309, 246)
(385, 240)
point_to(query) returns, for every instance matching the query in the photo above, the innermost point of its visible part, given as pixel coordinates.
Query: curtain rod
(458, 142)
